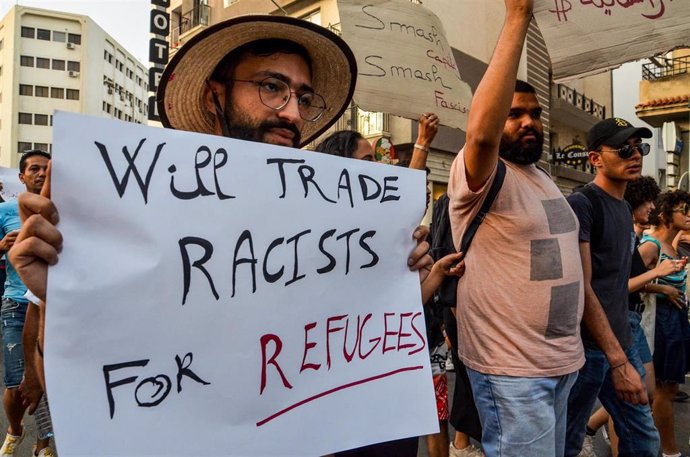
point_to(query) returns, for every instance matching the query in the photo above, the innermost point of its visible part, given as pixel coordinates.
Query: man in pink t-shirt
(521, 299)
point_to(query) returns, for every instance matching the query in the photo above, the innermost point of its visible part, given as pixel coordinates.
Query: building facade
(51, 61)
(664, 103)
(569, 109)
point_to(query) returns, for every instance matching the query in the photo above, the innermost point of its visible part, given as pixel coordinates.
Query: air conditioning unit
(73, 74)
(70, 45)
(110, 90)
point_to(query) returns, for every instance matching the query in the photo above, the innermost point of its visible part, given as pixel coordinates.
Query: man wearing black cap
(607, 240)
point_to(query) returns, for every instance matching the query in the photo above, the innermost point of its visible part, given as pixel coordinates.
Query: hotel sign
(159, 27)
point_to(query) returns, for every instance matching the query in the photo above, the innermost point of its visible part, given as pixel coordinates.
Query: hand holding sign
(39, 241)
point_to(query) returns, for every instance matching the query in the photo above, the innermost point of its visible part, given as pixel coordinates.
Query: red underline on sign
(334, 390)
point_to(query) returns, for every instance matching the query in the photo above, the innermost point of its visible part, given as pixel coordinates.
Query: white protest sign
(405, 64)
(11, 185)
(220, 297)
(589, 36)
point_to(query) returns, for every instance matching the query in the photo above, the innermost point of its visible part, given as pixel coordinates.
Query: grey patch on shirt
(563, 311)
(559, 215)
(545, 262)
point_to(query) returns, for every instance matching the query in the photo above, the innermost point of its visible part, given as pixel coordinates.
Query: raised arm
(492, 100)
(428, 127)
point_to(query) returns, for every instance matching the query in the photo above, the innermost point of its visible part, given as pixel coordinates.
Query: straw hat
(180, 92)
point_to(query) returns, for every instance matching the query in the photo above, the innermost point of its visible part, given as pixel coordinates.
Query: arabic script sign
(589, 36)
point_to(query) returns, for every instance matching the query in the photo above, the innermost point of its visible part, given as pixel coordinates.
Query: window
(26, 61)
(59, 36)
(28, 32)
(2, 44)
(42, 62)
(42, 147)
(41, 91)
(43, 34)
(74, 38)
(57, 92)
(26, 89)
(41, 119)
(23, 146)
(73, 66)
(58, 64)
(72, 94)
(25, 118)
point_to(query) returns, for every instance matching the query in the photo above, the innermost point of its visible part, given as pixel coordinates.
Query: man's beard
(522, 155)
(242, 127)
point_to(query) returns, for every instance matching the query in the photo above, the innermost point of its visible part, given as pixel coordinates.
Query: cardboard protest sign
(405, 64)
(221, 297)
(589, 36)
(11, 185)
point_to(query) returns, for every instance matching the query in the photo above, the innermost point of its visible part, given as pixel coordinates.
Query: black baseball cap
(614, 132)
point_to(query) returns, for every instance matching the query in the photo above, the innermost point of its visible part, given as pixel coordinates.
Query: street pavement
(682, 427)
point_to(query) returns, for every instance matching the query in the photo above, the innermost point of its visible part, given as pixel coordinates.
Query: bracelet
(421, 148)
(620, 365)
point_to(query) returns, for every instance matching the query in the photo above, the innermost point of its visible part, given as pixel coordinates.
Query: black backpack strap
(441, 221)
(596, 231)
(486, 206)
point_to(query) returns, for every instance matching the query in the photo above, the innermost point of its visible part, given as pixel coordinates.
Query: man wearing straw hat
(271, 79)
(276, 80)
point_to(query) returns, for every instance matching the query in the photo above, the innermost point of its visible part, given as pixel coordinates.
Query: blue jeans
(639, 338)
(522, 416)
(634, 424)
(12, 315)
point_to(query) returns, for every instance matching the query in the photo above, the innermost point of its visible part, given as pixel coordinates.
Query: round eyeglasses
(276, 94)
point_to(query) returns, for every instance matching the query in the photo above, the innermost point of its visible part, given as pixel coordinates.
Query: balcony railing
(335, 28)
(661, 67)
(199, 15)
(580, 101)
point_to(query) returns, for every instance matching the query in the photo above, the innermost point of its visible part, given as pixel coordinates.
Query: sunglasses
(684, 209)
(627, 151)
